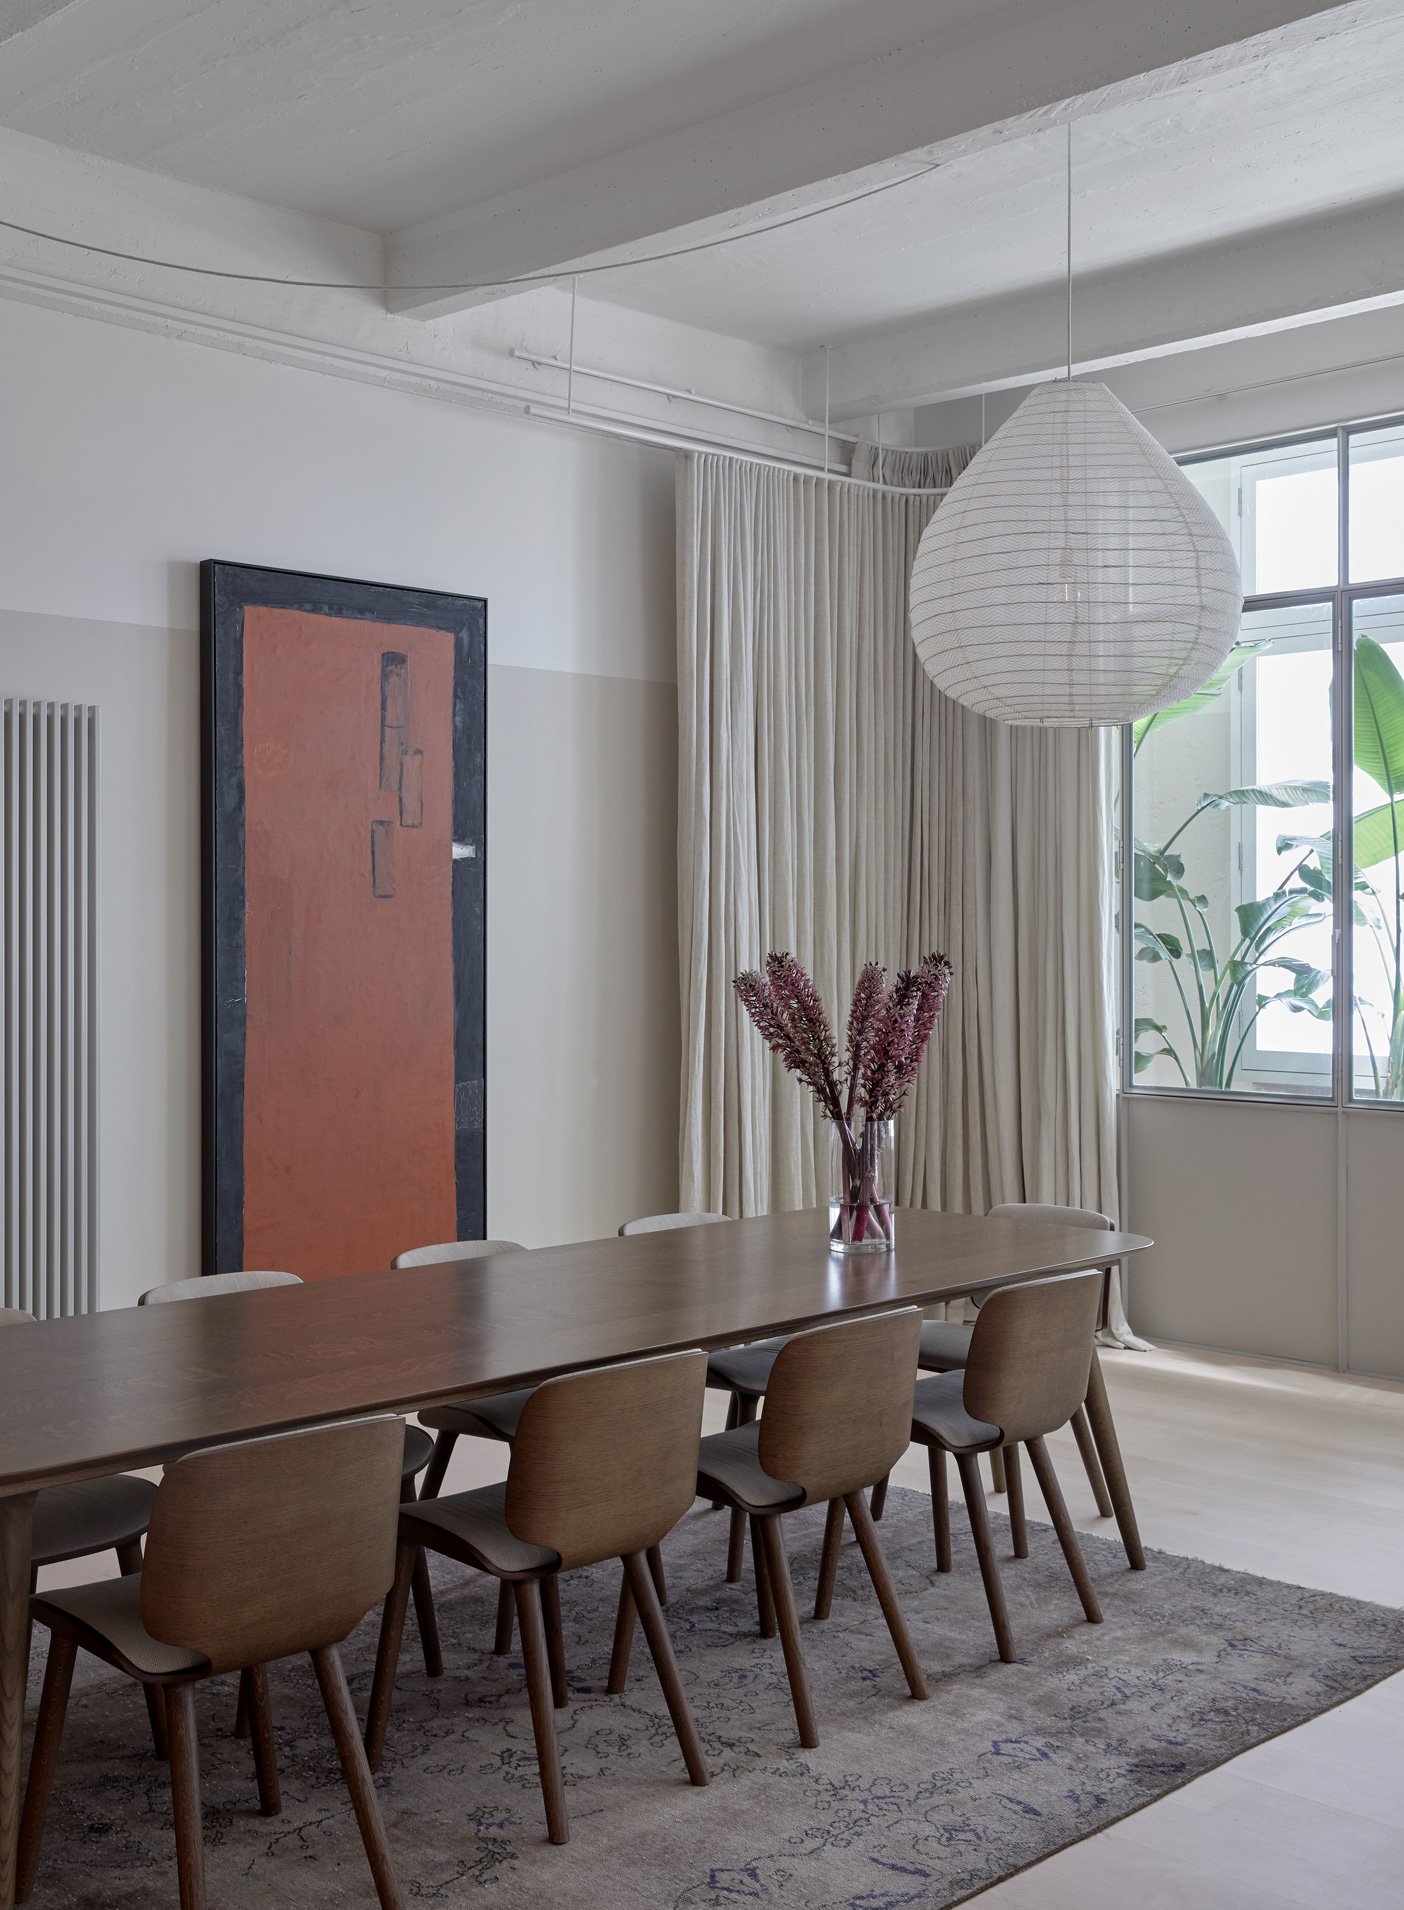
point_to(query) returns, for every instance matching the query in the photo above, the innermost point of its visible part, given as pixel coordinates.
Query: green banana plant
(1377, 839)
(1221, 996)
(1222, 992)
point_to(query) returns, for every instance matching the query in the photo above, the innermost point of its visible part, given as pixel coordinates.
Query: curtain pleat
(834, 804)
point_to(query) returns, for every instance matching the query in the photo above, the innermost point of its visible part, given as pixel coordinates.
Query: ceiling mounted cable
(473, 285)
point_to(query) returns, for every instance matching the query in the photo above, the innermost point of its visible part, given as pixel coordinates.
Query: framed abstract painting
(345, 808)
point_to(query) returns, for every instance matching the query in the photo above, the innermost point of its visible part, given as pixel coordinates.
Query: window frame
(1341, 598)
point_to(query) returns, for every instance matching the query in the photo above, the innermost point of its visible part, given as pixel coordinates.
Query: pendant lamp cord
(1068, 249)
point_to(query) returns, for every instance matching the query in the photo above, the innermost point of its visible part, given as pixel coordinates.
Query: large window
(1249, 968)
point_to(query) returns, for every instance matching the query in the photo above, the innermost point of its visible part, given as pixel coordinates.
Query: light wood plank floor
(1291, 1472)
(1297, 1474)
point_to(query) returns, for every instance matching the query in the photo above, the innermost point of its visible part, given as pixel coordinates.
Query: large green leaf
(1154, 874)
(1379, 834)
(1269, 796)
(1263, 919)
(1208, 693)
(1379, 717)
(1157, 947)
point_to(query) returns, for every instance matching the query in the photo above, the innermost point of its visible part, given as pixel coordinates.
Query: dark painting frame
(226, 589)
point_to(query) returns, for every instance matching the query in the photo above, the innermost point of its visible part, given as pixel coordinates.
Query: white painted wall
(127, 458)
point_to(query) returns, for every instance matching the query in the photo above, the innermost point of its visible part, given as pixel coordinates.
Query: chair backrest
(605, 1462)
(1055, 1216)
(1030, 1354)
(205, 1285)
(16, 1316)
(274, 1546)
(838, 1404)
(454, 1250)
(660, 1223)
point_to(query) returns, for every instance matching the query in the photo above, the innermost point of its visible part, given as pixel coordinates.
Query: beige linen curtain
(833, 803)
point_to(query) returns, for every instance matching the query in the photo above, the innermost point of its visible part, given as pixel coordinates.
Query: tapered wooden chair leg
(387, 1656)
(735, 1547)
(997, 1479)
(623, 1640)
(829, 1559)
(655, 1569)
(425, 1616)
(1014, 1485)
(432, 1483)
(765, 1602)
(1103, 1428)
(645, 1598)
(502, 1638)
(543, 1716)
(747, 1410)
(1091, 1464)
(265, 1750)
(940, 1506)
(128, 1562)
(242, 1724)
(185, 1795)
(156, 1718)
(783, 1594)
(48, 1734)
(879, 1500)
(555, 1639)
(984, 1551)
(341, 1716)
(1063, 1526)
(887, 1593)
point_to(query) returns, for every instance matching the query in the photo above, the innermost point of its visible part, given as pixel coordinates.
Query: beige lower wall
(582, 912)
(1241, 1200)
(1375, 1241)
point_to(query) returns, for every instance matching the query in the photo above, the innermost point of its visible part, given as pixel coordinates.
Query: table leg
(1109, 1452)
(16, 1526)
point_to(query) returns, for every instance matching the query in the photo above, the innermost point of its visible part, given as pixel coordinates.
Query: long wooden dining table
(106, 1392)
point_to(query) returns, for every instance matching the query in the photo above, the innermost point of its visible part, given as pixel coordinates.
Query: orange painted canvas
(357, 1114)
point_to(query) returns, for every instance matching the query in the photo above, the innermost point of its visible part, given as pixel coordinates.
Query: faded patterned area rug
(903, 1804)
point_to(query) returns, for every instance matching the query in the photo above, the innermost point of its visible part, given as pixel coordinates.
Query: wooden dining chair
(603, 1466)
(418, 1452)
(837, 1419)
(92, 1516)
(494, 1417)
(740, 1372)
(945, 1345)
(449, 1250)
(1024, 1377)
(664, 1223)
(257, 1551)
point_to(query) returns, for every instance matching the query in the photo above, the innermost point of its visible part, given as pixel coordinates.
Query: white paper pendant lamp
(1073, 575)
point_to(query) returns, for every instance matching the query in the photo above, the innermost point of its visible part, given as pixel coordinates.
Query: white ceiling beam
(21, 16)
(986, 68)
(1261, 282)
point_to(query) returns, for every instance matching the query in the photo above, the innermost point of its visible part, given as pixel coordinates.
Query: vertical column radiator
(48, 1117)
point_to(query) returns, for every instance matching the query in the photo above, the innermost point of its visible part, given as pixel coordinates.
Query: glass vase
(862, 1169)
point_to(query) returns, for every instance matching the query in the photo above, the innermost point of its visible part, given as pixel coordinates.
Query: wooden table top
(83, 1397)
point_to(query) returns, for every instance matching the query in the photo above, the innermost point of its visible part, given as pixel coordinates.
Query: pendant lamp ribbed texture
(1073, 575)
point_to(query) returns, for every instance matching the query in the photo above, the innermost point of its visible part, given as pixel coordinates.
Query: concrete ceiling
(387, 113)
(1235, 167)
(1313, 131)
